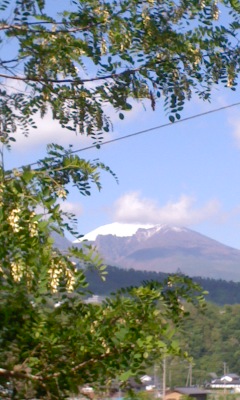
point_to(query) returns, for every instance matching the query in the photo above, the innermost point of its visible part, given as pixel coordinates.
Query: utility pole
(189, 376)
(155, 381)
(224, 373)
(164, 378)
(224, 368)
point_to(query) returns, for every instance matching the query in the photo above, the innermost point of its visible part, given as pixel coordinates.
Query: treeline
(219, 291)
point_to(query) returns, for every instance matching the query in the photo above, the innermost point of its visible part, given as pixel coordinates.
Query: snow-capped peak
(116, 229)
(127, 230)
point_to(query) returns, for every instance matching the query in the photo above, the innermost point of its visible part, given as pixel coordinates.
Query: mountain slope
(166, 249)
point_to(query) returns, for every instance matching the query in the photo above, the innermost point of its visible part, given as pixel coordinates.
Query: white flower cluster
(62, 193)
(215, 11)
(231, 76)
(33, 228)
(230, 82)
(56, 271)
(103, 47)
(13, 219)
(33, 231)
(17, 270)
(70, 279)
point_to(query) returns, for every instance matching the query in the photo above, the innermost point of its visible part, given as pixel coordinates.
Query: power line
(160, 126)
(149, 129)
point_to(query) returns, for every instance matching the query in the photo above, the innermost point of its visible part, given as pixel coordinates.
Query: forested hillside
(212, 339)
(219, 291)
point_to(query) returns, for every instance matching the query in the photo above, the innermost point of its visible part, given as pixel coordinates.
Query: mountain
(166, 249)
(61, 242)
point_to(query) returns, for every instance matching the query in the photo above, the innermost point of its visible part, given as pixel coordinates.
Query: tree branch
(26, 25)
(25, 28)
(83, 364)
(74, 81)
(19, 375)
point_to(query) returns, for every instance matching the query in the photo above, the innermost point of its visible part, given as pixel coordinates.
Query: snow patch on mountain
(144, 231)
(116, 229)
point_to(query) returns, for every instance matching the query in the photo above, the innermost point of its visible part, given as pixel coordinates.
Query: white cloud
(66, 206)
(71, 207)
(139, 111)
(48, 131)
(131, 208)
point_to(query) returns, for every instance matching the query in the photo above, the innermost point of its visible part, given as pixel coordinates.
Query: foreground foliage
(52, 341)
(54, 345)
(74, 63)
(77, 60)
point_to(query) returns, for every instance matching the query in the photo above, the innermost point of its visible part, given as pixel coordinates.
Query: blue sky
(187, 174)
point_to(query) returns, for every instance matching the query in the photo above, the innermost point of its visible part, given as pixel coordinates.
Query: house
(193, 392)
(229, 381)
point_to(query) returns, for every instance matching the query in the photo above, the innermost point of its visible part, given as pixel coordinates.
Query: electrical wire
(148, 130)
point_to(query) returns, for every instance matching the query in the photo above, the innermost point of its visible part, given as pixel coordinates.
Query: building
(229, 381)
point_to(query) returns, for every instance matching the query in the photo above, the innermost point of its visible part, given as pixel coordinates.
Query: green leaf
(235, 4)
(121, 334)
(27, 175)
(125, 376)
